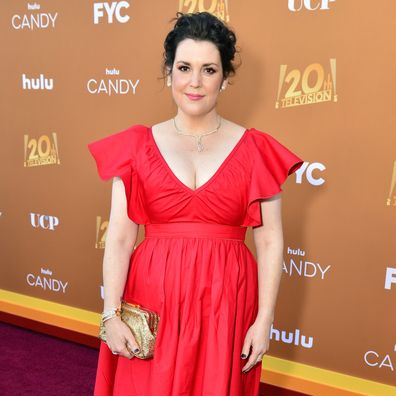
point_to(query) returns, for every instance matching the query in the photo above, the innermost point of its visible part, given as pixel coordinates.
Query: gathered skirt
(203, 281)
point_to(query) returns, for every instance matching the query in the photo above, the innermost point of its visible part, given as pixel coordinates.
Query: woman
(196, 182)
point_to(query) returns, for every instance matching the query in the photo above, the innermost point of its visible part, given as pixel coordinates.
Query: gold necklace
(200, 146)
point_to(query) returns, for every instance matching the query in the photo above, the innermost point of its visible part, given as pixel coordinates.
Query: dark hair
(201, 26)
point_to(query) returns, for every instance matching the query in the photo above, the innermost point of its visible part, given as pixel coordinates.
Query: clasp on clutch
(132, 304)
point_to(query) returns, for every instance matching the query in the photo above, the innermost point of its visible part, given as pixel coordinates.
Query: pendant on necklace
(200, 146)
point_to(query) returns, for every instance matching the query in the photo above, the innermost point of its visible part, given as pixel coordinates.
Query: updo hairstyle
(200, 26)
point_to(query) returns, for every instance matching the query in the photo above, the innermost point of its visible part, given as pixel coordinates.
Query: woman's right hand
(119, 338)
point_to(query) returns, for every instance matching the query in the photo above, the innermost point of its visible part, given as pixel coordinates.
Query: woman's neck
(196, 125)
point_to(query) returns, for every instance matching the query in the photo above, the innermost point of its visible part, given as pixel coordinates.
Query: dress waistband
(193, 230)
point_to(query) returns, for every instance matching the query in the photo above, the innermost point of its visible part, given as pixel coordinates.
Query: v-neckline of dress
(214, 175)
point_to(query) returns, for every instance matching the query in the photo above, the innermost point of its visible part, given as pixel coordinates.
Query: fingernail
(136, 350)
(243, 356)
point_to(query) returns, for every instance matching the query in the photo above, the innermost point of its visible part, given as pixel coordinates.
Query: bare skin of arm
(120, 240)
(268, 239)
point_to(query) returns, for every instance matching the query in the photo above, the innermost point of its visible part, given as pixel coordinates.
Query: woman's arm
(120, 240)
(268, 239)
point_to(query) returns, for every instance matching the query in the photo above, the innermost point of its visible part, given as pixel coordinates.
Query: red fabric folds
(115, 155)
(272, 164)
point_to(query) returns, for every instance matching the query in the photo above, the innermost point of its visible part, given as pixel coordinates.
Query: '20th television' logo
(313, 84)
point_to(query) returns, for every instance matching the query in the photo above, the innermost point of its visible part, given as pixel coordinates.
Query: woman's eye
(207, 70)
(210, 70)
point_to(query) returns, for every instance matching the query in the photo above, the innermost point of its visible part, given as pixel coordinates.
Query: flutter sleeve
(114, 156)
(272, 163)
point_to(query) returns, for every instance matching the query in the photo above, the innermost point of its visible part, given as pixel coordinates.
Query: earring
(222, 88)
(168, 82)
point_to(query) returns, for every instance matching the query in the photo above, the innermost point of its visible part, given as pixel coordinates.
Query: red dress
(193, 266)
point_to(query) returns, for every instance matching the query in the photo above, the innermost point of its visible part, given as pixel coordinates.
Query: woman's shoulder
(253, 132)
(131, 134)
(259, 133)
(233, 126)
(162, 124)
(260, 137)
(266, 145)
(136, 129)
(122, 140)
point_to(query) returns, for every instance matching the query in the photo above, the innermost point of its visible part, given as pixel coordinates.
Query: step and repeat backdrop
(318, 75)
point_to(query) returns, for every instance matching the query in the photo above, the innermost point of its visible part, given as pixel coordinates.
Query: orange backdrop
(318, 75)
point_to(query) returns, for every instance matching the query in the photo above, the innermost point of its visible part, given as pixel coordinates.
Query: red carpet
(40, 365)
(37, 364)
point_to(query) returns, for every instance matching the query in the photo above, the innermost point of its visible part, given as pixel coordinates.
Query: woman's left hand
(257, 337)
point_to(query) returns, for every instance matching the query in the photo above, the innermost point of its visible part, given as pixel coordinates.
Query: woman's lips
(194, 96)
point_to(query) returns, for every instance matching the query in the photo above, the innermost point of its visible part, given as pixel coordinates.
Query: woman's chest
(222, 198)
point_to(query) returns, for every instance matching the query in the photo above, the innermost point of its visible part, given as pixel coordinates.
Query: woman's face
(196, 77)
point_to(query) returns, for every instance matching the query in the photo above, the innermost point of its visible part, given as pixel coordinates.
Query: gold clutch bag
(143, 324)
